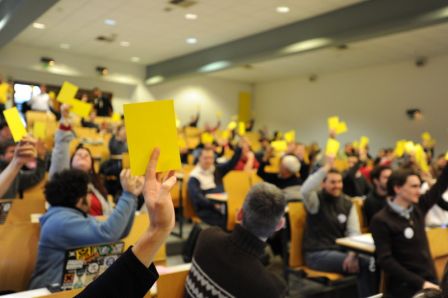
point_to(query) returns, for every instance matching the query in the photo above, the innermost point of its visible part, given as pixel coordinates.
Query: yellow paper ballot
(341, 128)
(332, 147)
(79, 107)
(67, 93)
(39, 130)
(409, 147)
(241, 128)
(15, 123)
(290, 136)
(333, 122)
(426, 136)
(150, 125)
(116, 117)
(182, 143)
(4, 90)
(363, 142)
(446, 155)
(279, 146)
(355, 144)
(399, 148)
(232, 125)
(206, 138)
(225, 134)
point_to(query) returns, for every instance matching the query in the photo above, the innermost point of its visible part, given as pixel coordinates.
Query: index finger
(152, 165)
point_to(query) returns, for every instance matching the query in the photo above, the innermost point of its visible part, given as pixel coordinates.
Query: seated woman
(82, 160)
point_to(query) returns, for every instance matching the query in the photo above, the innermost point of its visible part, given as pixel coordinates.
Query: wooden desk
(362, 243)
(220, 197)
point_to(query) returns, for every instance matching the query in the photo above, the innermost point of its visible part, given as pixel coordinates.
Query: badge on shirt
(408, 233)
(342, 218)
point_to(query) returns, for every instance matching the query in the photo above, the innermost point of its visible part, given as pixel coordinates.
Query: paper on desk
(364, 238)
(150, 125)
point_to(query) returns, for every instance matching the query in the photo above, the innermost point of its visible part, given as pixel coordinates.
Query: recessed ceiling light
(110, 22)
(155, 80)
(214, 66)
(191, 40)
(135, 59)
(191, 16)
(65, 46)
(282, 9)
(125, 43)
(38, 25)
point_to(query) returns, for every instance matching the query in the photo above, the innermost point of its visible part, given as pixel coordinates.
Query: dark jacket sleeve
(30, 178)
(196, 196)
(350, 186)
(383, 251)
(434, 194)
(127, 277)
(228, 166)
(267, 177)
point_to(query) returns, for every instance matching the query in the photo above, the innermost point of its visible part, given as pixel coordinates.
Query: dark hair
(376, 172)
(66, 188)
(3, 122)
(94, 177)
(4, 145)
(398, 178)
(332, 171)
(428, 293)
(262, 209)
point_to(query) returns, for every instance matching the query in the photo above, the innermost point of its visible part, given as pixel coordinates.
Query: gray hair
(263, 208)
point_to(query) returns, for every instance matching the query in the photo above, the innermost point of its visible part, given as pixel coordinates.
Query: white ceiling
(156, 35)
(429, 42)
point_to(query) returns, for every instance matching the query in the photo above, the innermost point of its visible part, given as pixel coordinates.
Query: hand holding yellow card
(363, 142)
(67, 93)
(206, 138)
(232, 125)
(332, 147)
(399, 148)
(150, 125)
(15, 123)
(333, 123)
(279, 146)
(290, 136)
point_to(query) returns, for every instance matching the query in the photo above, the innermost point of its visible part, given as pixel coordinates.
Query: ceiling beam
(367, 19)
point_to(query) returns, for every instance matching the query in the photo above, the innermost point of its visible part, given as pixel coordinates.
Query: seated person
(331, 215)
(207, 178)
(288, 171)
(247, 162)
(223, 262)
(133, 274)
(82, 160)
(118, 143)
(90, 123)
(25, 178)
(377, 198)
(24, 152)
(402, 249)
(355, 184)
(66, 223)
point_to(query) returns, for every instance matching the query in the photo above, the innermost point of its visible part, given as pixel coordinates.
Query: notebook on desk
(84, 264)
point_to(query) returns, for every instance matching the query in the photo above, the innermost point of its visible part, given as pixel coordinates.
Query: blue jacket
(63, 228)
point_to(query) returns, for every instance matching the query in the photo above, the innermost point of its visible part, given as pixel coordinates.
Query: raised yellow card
(446, 155)
(207, 138)
(241, 128)
(15, 123)
(79, 107)
(4, 90)
(225, 134)
(399, 148)
(116, 117)
(232, 125)
(363, 142)
(290, 136)
(332, 147)
(40, 130)
(279, 146)
(150, 125)
(67, 93)
(341, 128)
(426, 136)
(333, 122)
(409, 147)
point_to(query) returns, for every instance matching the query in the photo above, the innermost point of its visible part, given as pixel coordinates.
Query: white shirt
(40, 102)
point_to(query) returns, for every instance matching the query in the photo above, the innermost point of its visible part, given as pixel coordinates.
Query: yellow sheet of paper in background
(333, 122)
(15, 123)
(446, 155)
(182, 143)
(341, 128)
(116, 117)
(4, 89)
(79, 107)
(420, 158)
(426, 136)
(355, 144)
(67, 93)
(279, 146)
(290, 136)
(225, 134)
(399, 148)
(363, 142)
(332, 147)
(150, 125)
(241, 128)
(206, 138)
(232, 125)
(409, 147)
(39, 130)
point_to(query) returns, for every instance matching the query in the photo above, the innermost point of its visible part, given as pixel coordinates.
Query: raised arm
(434, 194)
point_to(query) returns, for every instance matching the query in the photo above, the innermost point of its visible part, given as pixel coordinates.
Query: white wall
(125, 81)
(371, 100)
(210, 94)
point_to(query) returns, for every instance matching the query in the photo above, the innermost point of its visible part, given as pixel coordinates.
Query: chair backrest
(253, 138)
(140, 225)
(18, 253)
(359, 202)
(237, 185)
(37, 191)
(172, 284)
(254, 178)
(188, 211)
(297, 218)
(438, 245)
(86, 132)
(33, 116)
(21, 210)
